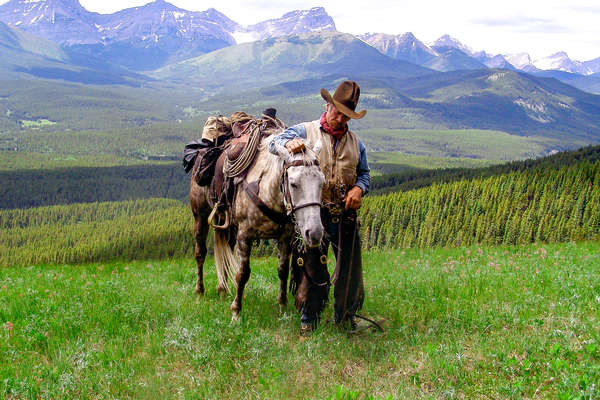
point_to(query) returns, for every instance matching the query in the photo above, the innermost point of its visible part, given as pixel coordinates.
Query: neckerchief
(337, 134)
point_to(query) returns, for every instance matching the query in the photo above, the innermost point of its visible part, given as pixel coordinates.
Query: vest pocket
(348, 177)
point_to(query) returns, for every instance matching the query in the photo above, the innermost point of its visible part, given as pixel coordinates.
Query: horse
(260, 210)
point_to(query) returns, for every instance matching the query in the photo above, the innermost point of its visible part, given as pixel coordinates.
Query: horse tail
(226, 262)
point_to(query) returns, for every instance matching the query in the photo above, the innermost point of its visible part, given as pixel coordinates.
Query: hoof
(222, 292)
(235, 318)
(282, 308)
(199, 291)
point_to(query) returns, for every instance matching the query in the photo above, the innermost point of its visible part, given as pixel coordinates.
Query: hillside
(548, 201)
(288, 58)
(415, 179)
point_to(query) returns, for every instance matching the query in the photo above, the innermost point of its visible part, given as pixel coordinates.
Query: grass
(465, 143)
(17, 160)
(480, 322)
(36, 123)
(388, 160)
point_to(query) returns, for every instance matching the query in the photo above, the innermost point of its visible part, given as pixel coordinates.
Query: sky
(539, 27)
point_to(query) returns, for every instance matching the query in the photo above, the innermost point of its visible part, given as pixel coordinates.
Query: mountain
(148, 37)
(452, 59)
(61, 21)
(404, 47)
(315, 19)
(592, 65)
(449, 41)
(519, 60)
(287, 58)
(492, 61)
(587, 83)
(151, 36)
(23, 55)
(446, 54)
(510, 101)
(560, 61)
(16, 39)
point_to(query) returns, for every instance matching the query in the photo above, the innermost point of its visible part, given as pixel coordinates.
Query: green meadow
(476, 322)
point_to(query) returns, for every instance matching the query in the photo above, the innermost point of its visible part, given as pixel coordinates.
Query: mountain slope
(151, 36)
(23, 55)
(510, 101)
(62, 21)
(16, 39)
(315, 19)
(288, 58)
(404, 47)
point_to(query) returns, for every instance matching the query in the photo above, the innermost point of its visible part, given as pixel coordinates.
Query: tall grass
(479, 322)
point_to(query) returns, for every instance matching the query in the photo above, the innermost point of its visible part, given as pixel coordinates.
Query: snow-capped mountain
(402, 47)
(560, 61)
(519, 60)
(593, 65)
(149, 36)
(67, 22)
(492, 61)
(161, 20)
(449, 41)
(315, 19)
(62, 21)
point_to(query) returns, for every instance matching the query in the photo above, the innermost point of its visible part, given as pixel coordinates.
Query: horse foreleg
(283, 270)
(244, 247)
(200, 233)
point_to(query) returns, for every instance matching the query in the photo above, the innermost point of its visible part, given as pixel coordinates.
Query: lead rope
(350, 265)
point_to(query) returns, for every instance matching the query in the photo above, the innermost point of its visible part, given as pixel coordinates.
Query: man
(343, 160)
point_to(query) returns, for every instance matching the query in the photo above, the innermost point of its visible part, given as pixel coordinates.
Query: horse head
(301, 189)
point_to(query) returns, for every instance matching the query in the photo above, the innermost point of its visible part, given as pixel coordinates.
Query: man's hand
(353, 198)
(295, 146)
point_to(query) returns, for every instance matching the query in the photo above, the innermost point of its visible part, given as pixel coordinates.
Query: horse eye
(295, 186)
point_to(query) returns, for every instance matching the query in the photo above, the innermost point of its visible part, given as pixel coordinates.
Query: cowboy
(343, 160)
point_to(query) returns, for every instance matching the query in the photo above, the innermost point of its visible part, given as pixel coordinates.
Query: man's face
(335, 119)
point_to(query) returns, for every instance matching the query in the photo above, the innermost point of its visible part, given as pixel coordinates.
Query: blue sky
(539, 27)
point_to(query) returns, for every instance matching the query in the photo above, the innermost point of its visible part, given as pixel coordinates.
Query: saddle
(222, 158)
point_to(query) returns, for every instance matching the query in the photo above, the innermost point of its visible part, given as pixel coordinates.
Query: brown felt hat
(345, 99)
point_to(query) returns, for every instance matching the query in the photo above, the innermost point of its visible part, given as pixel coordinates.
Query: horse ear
(317, 148)
(283, 153)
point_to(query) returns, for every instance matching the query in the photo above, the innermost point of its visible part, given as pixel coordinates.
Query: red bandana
(336, 134)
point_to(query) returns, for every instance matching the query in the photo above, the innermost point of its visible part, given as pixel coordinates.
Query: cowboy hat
(345, 99)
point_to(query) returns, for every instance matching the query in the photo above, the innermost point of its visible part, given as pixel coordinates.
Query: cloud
(525, 24)
(584, 9)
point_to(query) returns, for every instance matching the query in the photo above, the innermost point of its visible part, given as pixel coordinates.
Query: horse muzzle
(313, 237)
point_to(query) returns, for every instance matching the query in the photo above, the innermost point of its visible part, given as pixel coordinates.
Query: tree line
(536, 205)
(540, 204)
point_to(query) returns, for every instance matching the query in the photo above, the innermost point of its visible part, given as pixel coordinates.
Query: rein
(350, 264)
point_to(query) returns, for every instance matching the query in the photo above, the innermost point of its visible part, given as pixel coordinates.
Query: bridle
(280, 218)
(286, 192)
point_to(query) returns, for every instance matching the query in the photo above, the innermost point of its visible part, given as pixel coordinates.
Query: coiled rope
(239, 165)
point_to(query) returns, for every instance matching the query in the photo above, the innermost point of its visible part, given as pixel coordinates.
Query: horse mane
(308, 156)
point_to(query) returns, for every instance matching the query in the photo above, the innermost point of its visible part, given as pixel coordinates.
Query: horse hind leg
(200, 251)
(283, 270)
(243, 274)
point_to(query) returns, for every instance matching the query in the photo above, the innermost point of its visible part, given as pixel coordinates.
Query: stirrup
(211, 218)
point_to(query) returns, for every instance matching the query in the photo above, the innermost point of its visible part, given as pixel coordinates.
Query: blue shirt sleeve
(363, 172)
(293, 132)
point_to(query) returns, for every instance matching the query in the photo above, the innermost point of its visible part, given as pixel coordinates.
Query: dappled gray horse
(275, 215)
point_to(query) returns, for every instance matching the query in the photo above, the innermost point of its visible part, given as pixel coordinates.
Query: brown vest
(339, 168)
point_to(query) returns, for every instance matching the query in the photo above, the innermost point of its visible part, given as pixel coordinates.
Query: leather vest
(339, 165)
